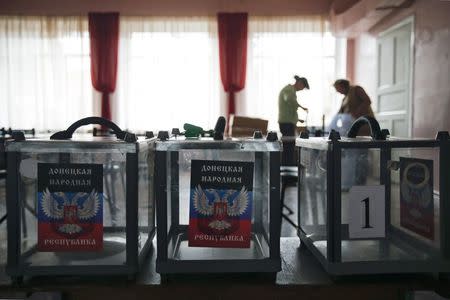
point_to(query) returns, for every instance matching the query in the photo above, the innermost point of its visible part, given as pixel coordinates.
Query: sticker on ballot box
(367, 212)
(221, 199)
(70, 207)
(416, 196)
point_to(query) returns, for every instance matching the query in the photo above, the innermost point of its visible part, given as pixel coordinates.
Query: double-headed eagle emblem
(58, 206)
(220, 208)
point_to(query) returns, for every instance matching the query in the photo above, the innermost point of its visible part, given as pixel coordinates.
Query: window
(168, 73)
(44, 72)
(279, 48)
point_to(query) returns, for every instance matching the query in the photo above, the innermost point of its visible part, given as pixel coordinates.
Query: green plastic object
(192, 131)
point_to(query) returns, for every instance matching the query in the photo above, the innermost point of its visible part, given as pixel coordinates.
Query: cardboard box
(244, 126)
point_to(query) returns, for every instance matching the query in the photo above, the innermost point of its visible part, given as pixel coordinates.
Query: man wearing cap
(288, 117)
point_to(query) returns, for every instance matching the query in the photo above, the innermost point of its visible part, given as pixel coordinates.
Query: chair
(112, 171)
(2, 169)
(244, 127)
(3, 176)
(5, 135)
(289, 177)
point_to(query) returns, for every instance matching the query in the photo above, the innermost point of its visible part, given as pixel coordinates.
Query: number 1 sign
(367, 213)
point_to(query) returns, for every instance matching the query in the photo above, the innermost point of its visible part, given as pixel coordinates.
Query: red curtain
(104, 43)
(232, 53)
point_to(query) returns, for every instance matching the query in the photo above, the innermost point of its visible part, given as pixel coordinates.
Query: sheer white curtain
(168, 73)
(44, 71)
(279, 48)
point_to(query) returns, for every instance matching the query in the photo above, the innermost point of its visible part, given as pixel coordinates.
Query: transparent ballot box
(378, 204)
(79, 205)
(217, 204)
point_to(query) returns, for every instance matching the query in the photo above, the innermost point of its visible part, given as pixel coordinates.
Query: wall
(165, 7)
(365, 63)
(350, 59)
(431, 69)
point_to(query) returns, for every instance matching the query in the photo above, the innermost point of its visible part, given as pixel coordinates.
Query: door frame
(407, 21)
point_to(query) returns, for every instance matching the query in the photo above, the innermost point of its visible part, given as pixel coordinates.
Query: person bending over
(356, 102)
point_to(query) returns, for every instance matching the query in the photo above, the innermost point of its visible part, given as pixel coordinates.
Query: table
(302, 277)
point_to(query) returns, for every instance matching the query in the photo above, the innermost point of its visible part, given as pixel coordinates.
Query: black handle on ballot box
(375, 131)
(120, 134)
